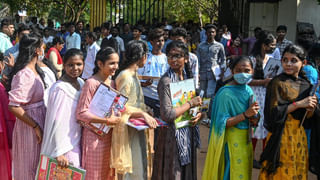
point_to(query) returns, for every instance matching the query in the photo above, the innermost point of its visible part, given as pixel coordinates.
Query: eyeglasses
(174, 56)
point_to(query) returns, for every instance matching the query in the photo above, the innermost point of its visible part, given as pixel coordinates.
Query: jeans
(209, 87)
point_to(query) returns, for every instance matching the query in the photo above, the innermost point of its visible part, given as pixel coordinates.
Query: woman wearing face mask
(26, 88)
(288, 99)
(233, 109)
(265, 44)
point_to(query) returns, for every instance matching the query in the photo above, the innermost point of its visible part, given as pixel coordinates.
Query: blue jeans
(209, 87)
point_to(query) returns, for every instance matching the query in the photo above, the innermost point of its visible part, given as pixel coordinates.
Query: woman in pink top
(95, 149)
(7, 120)
(26, 103)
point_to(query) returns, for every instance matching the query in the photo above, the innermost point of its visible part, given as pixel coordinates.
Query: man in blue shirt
(212, 61)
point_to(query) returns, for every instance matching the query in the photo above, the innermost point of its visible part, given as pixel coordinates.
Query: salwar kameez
(230, 150)
(27, 92)
(286, 153)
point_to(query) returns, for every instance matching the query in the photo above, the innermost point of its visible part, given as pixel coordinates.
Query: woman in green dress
(234, 109)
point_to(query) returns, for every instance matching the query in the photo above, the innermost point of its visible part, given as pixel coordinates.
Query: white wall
(309, 11)
(287, 15)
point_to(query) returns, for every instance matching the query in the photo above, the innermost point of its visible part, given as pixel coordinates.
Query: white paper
(216, 71)
(102, 101)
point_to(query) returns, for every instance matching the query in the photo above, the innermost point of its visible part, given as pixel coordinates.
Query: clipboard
(104, 100)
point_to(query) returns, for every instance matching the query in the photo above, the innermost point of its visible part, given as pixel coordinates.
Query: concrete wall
(309, 11)
(263, 15)
(287, 15)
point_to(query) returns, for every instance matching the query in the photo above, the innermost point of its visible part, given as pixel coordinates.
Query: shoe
(256, 164)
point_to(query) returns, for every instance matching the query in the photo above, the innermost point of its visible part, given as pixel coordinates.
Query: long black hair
(135, 50)
(265, 38)
(103, 55)
(185, 51)
(27, 50)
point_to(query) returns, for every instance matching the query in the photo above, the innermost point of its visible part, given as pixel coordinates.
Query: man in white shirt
(73, 40)
(155, 66)
(92, 51)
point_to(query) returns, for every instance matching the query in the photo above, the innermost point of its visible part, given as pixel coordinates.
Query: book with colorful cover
(181, 93)
(104, 100)
(48, 169)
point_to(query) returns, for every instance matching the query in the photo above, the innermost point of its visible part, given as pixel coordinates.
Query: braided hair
(135, 50)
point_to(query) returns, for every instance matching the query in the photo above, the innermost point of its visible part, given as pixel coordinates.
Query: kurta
(167, 165)
(62, 133)
(95, 149)
(286, 153)
(230, 150)
(133, 142)
(7, 120)
(26, 91)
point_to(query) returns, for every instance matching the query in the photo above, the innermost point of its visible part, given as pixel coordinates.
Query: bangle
(35, 126)
(189, 104)
(244, 114)
(294, 103)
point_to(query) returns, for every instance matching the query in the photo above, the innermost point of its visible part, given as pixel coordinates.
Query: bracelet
(189, 104)
(244, 114)
(294, 103)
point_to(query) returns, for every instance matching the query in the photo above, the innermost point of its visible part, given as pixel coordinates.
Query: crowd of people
(267, 91)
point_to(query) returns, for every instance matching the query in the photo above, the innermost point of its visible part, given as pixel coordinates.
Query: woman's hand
(196, 101)
(309, 103)
(252, 110)
(38, 132)
(62, 161)
(150, 120)
(113, 120)
(10, 62)
(147, 83)
(194, 120)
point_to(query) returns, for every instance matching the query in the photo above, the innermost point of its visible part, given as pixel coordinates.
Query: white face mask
(41, 57)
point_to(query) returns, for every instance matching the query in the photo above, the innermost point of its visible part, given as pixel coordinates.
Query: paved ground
(204, 131)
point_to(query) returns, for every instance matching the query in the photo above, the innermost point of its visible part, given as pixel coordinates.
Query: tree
(70, 10)
(193, 9)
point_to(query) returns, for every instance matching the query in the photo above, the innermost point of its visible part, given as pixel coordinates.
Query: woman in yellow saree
(233, 109)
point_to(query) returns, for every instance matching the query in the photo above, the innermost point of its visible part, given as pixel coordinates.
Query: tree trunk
(200, 16)
(64, 11)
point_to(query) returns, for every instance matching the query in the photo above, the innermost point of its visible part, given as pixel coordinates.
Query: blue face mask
(242, 78)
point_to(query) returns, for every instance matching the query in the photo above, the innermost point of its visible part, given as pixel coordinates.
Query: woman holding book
(129, 153)
(95, 149)
(62, 133)
(26, 89)
(234, 108)
(265, 44)
(175, 151)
